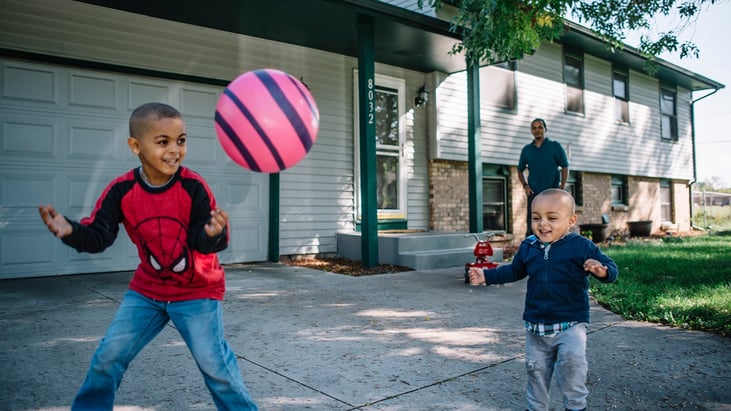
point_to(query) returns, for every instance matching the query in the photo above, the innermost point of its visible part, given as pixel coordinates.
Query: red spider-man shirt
(178, 260)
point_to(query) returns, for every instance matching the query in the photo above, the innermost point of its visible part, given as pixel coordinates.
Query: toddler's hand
(55, 221)
(595, 267)
(477, 276)
(217, 223)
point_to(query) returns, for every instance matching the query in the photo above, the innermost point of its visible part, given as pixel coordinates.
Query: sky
(711, 33)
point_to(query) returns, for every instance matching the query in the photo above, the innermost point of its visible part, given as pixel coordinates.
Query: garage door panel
(196, 102)
(141, 92)
(94, 141)
(243, 198)
(27, 138)
(25, 191)
(203, 147)
(93, 91)
(30, 84)
(63, 138)
(247, 241)
(24, 246)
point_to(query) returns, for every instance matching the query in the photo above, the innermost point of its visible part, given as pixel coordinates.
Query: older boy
(171, 216)
(557, 263)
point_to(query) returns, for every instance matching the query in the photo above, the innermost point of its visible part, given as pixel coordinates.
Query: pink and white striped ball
(266, 120)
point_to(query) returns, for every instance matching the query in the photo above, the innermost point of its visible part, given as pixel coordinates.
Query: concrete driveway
(311, 340)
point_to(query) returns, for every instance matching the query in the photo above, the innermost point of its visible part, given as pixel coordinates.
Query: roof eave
(631, 58)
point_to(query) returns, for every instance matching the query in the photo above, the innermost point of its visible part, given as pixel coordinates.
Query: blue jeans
(566, 353)
(138, 320)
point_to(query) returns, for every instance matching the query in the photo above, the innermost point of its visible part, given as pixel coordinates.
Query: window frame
(574, 187)
(672, 117)
(488, 91)
(668, 185)
(621, 105)
(578, 86)
(619, 184)
(492, 172)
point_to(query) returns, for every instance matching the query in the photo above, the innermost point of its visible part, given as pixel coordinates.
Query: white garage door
(63, 134)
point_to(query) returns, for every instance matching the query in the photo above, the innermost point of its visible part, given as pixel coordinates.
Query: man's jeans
(138, 320)
(566, 352)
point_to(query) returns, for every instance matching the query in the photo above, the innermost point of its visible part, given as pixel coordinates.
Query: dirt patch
(345, 266)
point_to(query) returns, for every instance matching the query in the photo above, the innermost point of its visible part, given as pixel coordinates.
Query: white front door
(390, 162)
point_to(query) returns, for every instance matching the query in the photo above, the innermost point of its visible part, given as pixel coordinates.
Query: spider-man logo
(164, 243)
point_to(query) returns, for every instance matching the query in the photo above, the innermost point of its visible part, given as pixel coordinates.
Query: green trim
(273, 246)
(492, 170)
(367, 124)
(474, 148)
(387, 225)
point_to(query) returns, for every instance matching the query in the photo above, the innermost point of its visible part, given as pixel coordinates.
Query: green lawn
(678, 281)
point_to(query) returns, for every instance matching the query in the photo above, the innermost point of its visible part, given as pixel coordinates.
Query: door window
(390, 160)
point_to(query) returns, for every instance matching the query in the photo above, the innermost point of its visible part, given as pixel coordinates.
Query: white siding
(63, 134)
(317, 196)
(503, 132)
(593, 140)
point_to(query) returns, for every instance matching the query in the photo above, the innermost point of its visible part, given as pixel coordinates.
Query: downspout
(695, 168)
(474, 148)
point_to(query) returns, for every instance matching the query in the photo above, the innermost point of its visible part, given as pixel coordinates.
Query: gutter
(695, 168)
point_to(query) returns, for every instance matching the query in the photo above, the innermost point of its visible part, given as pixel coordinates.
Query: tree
(714, 183)
(501, 30)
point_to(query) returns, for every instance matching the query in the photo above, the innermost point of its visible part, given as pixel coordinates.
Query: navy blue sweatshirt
(558, 285)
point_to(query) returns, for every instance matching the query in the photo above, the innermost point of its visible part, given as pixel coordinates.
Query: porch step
(452, 257)
(420, 251)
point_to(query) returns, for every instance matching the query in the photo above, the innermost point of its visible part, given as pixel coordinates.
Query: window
(573, 77)
(493, 204)
(388, 148)
(391, 186)
(669, 125)
(619, 190)
(497, 85)
(573, 186)
(620, 88)
(666, 201)
(494, 195)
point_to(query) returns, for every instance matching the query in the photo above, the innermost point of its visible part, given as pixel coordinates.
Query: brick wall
(596, 190)
(641, 205)
(518, 219)
(681, 205)
(643, 202)
(449, 196)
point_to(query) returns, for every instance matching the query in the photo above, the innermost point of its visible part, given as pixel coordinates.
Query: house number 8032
(371, 115)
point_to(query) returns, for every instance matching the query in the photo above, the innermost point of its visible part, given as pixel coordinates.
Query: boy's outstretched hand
(55, 221)
(593, 266)
(217, 223)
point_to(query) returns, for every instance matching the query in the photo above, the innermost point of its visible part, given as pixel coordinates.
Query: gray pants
(566, 354)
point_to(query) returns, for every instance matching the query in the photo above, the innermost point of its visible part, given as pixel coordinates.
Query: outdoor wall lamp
(422, 96)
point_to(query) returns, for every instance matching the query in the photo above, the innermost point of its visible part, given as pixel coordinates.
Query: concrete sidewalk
(307, 339)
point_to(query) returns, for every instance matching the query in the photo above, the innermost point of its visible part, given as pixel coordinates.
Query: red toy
(483, 250)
